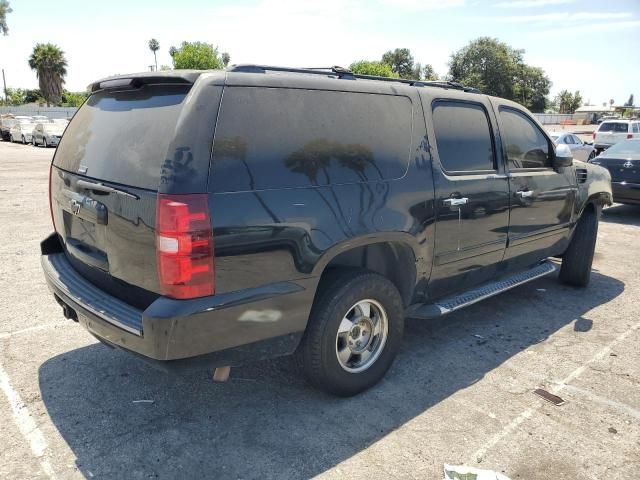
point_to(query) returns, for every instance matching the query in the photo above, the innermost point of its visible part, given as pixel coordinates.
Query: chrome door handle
(455, 202)
(525, 193)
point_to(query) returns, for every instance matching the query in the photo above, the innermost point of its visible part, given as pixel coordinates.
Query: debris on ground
(612, 430)
(462, 472)
(144, 401)
(549, 397)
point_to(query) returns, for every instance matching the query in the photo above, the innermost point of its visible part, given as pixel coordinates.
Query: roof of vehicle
(559, 134)
(265, 75)
(618, 120)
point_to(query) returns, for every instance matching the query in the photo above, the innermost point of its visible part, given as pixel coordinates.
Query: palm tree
(4, 9)
(154, 46)
(50, 66)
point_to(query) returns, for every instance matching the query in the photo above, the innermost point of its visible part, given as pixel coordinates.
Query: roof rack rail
(342, 72)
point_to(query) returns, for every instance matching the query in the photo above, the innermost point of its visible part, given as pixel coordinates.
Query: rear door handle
(455, 202)
(525, 193)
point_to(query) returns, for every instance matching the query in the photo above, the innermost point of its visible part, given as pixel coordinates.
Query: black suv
(209, 218)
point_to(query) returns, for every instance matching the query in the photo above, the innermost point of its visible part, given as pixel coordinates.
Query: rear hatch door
(612, 132)
(104, 183)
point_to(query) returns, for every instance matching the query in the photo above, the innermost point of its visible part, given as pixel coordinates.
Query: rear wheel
(354, 332)
(577, 260)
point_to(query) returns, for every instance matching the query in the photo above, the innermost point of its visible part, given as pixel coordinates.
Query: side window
(576, 140)
(568, 139)
(463, 136)
(269, 138)
(525, 144)
(636, 128)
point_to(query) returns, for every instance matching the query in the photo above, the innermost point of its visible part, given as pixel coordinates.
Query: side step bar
(451, 304)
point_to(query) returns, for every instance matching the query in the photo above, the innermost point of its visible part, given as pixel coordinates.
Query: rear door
(542, 199)
(472, 193)
(104, 182)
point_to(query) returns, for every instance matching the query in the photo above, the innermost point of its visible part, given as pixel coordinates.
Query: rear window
(616, 127)
(285, 138)
(122, 137)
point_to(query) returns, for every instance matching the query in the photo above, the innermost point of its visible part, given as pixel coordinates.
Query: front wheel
(577, 260)
(354, 332)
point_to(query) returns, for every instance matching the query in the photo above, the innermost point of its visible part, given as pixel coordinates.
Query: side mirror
(563, 157)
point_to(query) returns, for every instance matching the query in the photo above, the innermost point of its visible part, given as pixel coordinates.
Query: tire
(33, 140)
(340, 294)
(44, 142)
(578, 258)
(24, 140)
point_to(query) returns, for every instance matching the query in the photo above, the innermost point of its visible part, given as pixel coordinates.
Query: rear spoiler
(136, 80)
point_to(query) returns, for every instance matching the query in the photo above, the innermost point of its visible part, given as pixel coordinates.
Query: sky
(587, 45)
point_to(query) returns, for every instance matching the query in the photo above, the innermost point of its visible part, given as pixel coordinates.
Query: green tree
(196, 55)
(154, 46)
(48, 61)
(226, 58)
(379, 69)
(630, 101)
(567, 102)
(428, 73)
(487, 64)
(32, 96)
(4, 9)
(15, 97)
(401, 61)
(73, 99)
(531, 88)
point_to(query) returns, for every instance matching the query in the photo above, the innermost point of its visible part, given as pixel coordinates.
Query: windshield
(630, 147)
(616, 127)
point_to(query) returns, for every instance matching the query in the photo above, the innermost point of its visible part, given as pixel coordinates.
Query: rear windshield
(616, 127)
(122, 137)
(630, 147)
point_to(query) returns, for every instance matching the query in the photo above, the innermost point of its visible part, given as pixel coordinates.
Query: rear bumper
(624, 192)
(225, 329)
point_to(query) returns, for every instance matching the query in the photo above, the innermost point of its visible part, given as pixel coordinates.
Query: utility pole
(4, 82)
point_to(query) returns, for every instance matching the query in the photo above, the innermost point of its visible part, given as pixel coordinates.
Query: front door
(542, 198)
(472, 194)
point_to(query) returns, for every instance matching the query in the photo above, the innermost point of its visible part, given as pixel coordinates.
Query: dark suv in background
(210, 218)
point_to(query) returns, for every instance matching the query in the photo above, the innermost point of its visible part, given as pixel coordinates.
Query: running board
(451, 304)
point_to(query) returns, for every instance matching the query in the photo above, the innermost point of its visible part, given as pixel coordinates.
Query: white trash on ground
(462, 472)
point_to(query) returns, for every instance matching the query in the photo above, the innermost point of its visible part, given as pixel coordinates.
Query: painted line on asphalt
(513, 425)
(24, 421)
(30, 329)
(634, 412)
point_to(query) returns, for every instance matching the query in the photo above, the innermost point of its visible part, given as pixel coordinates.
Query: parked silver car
(580, 150)
(21, 131)
(47, 134)
(8, 121)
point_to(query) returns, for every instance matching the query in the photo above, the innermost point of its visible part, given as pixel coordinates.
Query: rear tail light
(184, 245)
(629, 135)
(51, 199)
